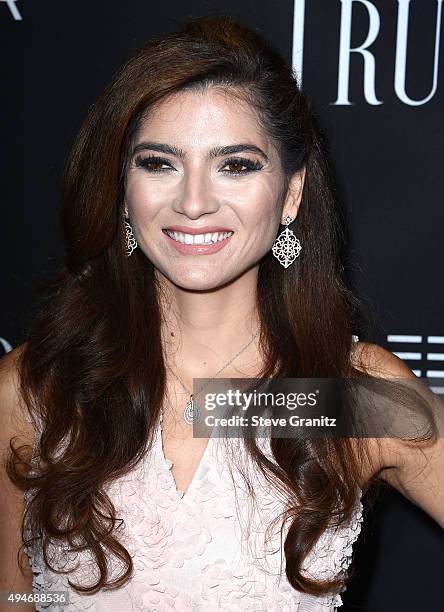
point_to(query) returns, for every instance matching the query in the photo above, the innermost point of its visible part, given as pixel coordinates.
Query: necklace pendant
(191, 412)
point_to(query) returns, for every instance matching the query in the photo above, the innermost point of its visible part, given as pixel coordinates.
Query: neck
(203, 330)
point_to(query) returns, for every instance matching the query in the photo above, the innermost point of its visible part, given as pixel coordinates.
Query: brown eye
(236, 166)
(241, 166)
(153, 164)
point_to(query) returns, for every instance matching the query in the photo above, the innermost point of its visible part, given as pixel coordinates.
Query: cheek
(263, 194)
(259, 232)
(135, 192)
(263, 211)
(143, 200)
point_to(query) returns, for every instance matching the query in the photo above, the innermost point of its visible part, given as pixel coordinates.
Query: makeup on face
(203, 181)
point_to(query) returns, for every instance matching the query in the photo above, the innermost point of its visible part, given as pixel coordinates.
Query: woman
(202, 241)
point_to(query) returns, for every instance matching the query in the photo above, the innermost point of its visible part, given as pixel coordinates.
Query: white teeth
(198, 238)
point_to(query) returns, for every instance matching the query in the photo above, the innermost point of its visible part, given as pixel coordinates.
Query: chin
(195, 281)
(199, 278)
(199, 284)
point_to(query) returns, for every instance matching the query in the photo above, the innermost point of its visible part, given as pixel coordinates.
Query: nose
(197, 196)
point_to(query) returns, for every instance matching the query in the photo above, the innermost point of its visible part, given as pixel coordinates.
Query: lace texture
(203, 550)
(191, 551)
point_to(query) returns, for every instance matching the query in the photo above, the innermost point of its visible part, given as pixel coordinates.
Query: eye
(242, 162)
(152, 163)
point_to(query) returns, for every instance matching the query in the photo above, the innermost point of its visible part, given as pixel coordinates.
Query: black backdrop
(385, 128)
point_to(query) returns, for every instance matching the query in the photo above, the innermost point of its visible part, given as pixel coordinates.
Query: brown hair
(94, 356)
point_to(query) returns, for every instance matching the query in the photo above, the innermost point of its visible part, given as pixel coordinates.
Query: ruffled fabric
(203, 550)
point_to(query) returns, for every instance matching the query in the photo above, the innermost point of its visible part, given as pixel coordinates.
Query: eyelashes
(149, 164)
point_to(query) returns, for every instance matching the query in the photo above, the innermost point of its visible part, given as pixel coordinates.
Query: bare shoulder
(13, 414)
(13, 423)
(378, 361)
(415, 469)
(375, 360)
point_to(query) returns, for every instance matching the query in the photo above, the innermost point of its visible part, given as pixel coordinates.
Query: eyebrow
(213, 153)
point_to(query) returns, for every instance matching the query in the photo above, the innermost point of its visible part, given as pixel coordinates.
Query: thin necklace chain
(190, 409)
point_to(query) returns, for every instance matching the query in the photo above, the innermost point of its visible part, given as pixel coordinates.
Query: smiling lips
(198, 230)
(197, 241)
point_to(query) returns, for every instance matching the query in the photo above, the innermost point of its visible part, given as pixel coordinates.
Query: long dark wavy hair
(93, 356)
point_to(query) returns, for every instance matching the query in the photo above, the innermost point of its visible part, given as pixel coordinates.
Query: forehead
(197, 115)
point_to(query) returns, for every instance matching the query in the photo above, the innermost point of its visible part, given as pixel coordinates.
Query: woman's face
(200, 164)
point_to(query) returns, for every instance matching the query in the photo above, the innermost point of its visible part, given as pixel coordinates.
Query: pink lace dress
(203, 550)
(214, 547)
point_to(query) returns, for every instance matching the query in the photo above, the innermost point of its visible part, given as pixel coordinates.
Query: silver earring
(131, 242)
(286, 247)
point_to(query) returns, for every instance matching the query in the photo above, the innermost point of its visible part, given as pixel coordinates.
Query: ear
(294, 195)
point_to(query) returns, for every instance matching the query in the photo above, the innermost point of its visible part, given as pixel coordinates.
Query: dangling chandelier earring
(131, 242)
(286, 247)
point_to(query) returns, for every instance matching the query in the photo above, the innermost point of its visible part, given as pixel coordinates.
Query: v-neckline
(168, 465)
